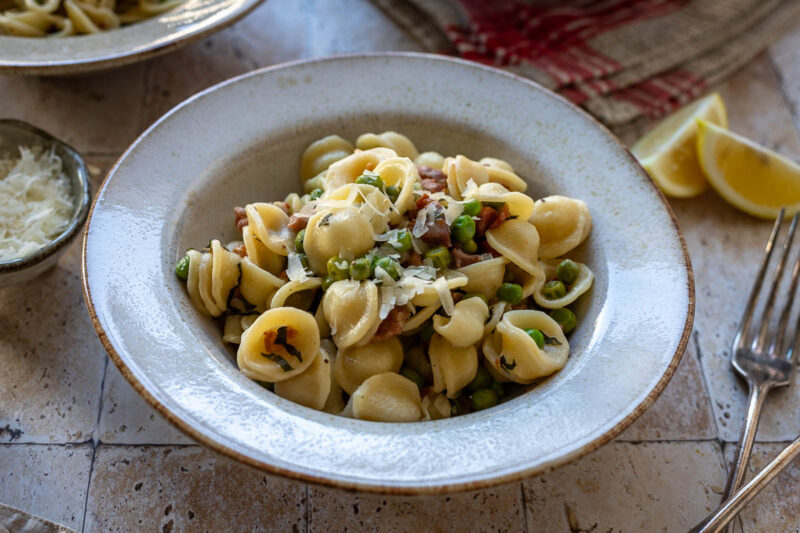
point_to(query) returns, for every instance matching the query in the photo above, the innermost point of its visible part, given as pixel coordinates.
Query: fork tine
(761, 340)
(747, 317)
(791, 351)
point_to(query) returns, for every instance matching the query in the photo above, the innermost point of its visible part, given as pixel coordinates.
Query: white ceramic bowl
(84, 53)
(241, 142)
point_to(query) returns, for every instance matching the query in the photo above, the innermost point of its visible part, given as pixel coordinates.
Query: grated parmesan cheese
(444, 295)
(35, 200)
(295, 270)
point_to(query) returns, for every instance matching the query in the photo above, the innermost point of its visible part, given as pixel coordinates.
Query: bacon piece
(438, 233)
(414, 258)
(457, 297)
(486, 248)
(485, 219)
(393, 324)
(298, 221)
(502, 215)
(463, 259)
(433, 180)
(422, 201)
(240, 250)
(283, 205)
(240, 217)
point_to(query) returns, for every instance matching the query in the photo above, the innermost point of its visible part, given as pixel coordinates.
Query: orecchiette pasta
(453, 366)
(401, 144)
(387, 397)
(356, 364)
(563, 223)
(518, 241)
(465, 327)
(351, 309)
(515, 354)
(280, 344)
(321, 154)
(392, 292)
(342, 232)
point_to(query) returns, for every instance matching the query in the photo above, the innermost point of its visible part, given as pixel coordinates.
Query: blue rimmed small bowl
(13, 134)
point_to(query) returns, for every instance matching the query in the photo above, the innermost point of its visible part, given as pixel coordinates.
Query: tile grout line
(94, 440)
(308, 509)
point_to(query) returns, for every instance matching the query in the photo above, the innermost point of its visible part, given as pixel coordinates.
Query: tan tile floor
(78, 446)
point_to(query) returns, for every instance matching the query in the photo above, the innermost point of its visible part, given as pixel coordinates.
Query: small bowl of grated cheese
(44, 200)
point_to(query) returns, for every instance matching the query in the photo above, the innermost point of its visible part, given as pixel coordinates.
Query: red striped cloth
(625, 61)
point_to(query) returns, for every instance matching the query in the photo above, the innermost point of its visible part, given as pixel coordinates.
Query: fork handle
(722, 516)
(746, 439)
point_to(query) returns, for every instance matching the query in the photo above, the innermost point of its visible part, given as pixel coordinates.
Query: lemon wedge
(667, 152)
(747, 175)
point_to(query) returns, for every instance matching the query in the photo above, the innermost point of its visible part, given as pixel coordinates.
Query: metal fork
(759, 356)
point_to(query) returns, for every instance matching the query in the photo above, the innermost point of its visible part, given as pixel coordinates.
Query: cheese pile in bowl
(35, 201)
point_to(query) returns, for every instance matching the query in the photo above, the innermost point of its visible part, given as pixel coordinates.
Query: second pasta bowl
(419, 294)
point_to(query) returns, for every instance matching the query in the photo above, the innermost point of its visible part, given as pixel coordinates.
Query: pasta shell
(581, 284)
(301, 333)
(321, 154)
(387, 397)
(401, 173)
(460, 170)
(465, 326)
(514, 354)
(262, 256)
(351, 308)
(518, 241)
(347, 170)
(279, 299)
(269, 225)
(257, 285)
(436, 406)
(519, 205)
(310, 388)
(389, 139)
(342, 232)
(453, 367)
(502, 173)
(419, 318)
(563, 223)
(429, 295)
(369, 201)
(430, 160)
(484, 277)
(354, 365)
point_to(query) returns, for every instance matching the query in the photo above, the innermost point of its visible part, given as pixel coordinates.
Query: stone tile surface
(786, 61)
(726, 246)
(682, 412)
(99, 113)
(498, 509)
(127, 419)
(164, 488)
(628, 487)
(46, 480)
(777, 507)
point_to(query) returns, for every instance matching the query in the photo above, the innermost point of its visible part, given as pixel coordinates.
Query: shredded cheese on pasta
(35, 200)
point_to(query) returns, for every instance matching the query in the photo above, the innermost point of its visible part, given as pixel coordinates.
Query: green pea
(368, 178)
(338, 268)
(477, 295)
(483, 399)
(553, 290)
(510, 292)
(498, 389)
(463, 228)
(391, 266)
(482, 380)
(413, 375)
(393, 192)
(303, 260)
(565, 318)
(360, 268)
(403, 241)
(439, 256)
(472, 208)
(182, 268)
(537, 336)
(298, 241)
(327, 281)
(315, 194)
(567, 271)
(426, 332)
(470, 246)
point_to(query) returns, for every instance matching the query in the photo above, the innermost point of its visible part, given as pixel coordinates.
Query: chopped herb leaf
(550, 341)
(326, 220)
(283, 363)
(505, 365)
(282, 339)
